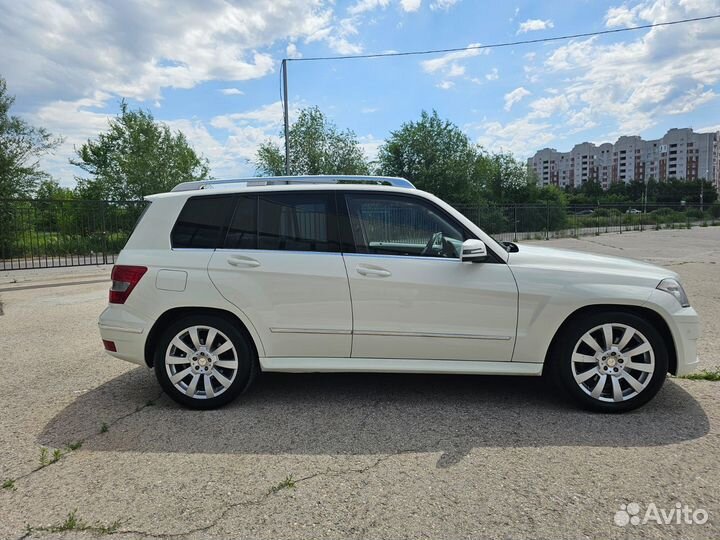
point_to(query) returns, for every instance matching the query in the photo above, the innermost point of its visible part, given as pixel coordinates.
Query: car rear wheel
(203, 362)
(610, 362)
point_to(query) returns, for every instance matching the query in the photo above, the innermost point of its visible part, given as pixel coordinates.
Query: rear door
(281, 265)
(412, 298)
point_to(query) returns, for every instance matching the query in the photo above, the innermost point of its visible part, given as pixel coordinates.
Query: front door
(412, 298)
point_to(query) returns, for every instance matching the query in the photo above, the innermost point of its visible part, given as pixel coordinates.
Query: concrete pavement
(335, 455)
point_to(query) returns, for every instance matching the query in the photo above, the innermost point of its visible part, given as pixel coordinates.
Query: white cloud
(370, 146)
(636, 83)
(691, 100)
(362, 6)
(292, 51)
(549, 106)
(77, 121)
(337, 38)
(532, 25)
(443, 4)
(493, 75)
(445, 85)
(232, 91)
(621, 16)
(522, 137)
(61, 51)
(448, 63)
(410, 5)
(511, 98)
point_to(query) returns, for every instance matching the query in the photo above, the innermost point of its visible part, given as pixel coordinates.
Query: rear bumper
(126, 331)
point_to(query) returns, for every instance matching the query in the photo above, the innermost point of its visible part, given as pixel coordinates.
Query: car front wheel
(610, 362)
(203, 362)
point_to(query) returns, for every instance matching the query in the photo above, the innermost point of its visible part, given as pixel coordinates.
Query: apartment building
(681, 153)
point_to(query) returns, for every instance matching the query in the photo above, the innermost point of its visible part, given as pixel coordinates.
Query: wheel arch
(653, 317)
(173, 314)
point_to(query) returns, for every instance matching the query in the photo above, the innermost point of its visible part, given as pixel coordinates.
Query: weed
(74, 446)
(104, 427)
(74, 523)
(57, 454)
(704, 375)
(288, 483)
(9, 484)
(44, 457)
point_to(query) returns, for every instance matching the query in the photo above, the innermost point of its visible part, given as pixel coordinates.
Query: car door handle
(373, 272)
(240, 261)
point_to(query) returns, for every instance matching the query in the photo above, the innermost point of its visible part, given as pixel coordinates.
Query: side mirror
(473, 251)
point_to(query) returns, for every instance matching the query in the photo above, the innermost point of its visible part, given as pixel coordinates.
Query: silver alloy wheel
(201, 362)
(613, 362)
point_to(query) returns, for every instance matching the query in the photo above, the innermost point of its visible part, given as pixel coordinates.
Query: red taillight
(124, 278)
(109, 345)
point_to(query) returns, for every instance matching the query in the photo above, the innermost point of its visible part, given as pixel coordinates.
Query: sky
(211, 69)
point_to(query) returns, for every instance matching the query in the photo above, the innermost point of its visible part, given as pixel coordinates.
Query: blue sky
(211, 69)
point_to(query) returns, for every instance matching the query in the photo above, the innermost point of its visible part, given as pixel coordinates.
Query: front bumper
(684, 325)
(126, 331)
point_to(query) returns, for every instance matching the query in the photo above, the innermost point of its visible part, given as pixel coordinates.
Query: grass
(704, 375)
(44, 461)
(288, 483)
(74, 523)
(104, 427)
(74, 446)
(9, 484)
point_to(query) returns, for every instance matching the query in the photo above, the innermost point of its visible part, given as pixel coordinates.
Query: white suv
(222, 279)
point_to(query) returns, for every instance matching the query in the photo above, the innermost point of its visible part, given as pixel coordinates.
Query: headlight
(673, 287)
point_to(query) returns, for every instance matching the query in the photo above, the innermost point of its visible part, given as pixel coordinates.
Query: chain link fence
(55, 233)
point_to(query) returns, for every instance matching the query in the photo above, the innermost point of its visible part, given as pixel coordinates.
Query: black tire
(243, 352)
(563, 372)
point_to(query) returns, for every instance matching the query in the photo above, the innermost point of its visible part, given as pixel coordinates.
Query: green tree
(316, 147)
(137, 156)
(21, 146)
(436, 156)
(51, 190)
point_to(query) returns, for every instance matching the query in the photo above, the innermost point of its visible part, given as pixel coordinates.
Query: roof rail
(293, 180)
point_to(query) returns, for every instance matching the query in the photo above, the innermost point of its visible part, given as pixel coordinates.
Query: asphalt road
(368, 456)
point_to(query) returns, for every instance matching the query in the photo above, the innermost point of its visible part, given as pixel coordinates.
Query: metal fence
(51, 233)
(44, 234)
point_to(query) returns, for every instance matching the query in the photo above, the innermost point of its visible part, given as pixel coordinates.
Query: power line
(505, 44)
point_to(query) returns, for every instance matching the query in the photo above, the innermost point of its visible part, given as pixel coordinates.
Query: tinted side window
(398, 225)
(303, 221)
(202, 222)
(242, 233)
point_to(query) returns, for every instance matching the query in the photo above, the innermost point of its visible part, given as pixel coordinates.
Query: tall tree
(317, 146)
(136, 156)
(436, 156)
(21, 146)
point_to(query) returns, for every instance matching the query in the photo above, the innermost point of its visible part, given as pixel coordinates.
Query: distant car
(587, 212)
(221, 280)
(633, 211)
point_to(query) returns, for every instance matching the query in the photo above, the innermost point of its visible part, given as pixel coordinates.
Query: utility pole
(285, 117)
(702, 190)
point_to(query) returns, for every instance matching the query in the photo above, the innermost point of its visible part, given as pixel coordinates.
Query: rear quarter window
(202, 222)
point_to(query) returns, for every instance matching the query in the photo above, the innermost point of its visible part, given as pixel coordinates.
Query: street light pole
(285, 116)
(702, 190)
